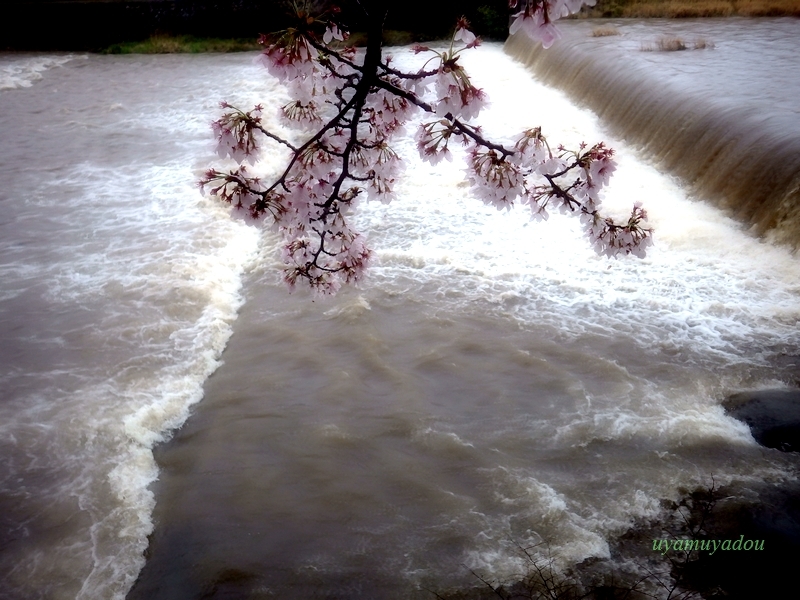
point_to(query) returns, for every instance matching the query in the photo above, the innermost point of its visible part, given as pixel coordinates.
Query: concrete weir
(729, 155)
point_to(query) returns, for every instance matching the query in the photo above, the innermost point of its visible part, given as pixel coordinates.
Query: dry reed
(677, 9)
(698, 8)
(702, 44)
(670, 44)
(767, 8)
(605, 31)
(674, 44)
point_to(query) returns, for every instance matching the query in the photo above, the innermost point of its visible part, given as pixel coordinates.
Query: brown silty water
(492, 383)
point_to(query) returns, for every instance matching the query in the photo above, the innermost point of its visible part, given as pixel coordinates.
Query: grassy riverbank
(187, 44)
(676, 9)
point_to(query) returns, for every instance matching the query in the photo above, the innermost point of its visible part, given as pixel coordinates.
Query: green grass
(182, 44)
(187, 44)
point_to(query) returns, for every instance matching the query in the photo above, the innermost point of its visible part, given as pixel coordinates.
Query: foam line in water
(159, 269)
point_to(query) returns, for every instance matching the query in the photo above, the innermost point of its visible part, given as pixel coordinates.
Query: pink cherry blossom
(463, 34)
(537, 18)
(332, 33)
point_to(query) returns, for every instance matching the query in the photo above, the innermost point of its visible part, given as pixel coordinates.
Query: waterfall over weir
(740, 152)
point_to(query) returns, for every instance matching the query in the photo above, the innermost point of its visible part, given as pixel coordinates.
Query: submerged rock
(772, 415)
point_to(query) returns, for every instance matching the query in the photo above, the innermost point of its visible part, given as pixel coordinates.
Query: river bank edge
(151, 36)
(162, 43)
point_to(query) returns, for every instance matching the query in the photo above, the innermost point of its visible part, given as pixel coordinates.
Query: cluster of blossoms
(536, 17)
(354, 103)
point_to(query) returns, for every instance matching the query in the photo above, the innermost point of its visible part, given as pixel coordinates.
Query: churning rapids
(492, 380)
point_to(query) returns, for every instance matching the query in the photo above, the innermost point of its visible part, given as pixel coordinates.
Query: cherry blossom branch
(348, 155)
(276, 138)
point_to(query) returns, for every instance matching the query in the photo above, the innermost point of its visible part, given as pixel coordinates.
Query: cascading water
(723, 118)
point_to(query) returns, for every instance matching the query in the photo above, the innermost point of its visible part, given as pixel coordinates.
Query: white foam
(544, 522)
(18, 73)
(702, 287)
(160, 269)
